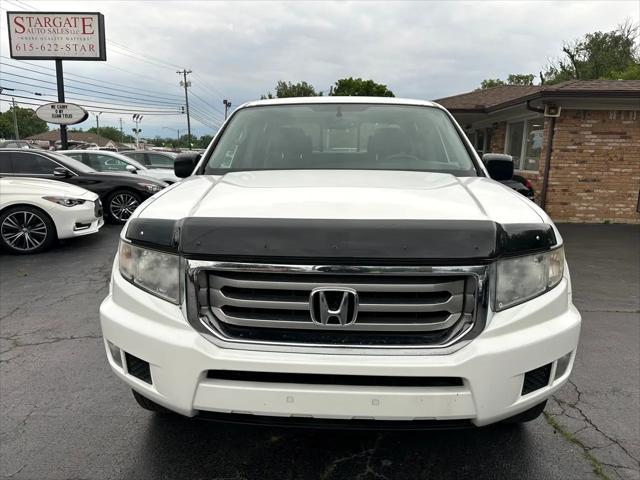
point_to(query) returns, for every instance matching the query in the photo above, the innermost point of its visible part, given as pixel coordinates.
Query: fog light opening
(562, 365)
(116, 356)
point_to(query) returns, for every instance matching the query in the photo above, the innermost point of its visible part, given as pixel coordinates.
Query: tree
(520, 79)
(490, 83)
(288, 90)
(28, 123)
(111, 133)
(357, 87)
(597, 55)
(512, 79)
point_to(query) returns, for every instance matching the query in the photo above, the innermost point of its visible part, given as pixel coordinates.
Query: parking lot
(65, 415)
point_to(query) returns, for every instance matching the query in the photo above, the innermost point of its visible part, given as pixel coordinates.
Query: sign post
(57, 36)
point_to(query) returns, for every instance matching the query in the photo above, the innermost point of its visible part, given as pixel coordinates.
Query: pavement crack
(48, 340)
(593, 425)
(17, 471)
(367, 454)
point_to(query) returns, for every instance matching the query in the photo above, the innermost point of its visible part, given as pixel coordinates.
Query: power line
(106, 107)
(128, 90)
(96, 94)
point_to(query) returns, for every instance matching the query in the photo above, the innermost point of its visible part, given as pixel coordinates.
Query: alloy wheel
(24, 231)
(122, 206)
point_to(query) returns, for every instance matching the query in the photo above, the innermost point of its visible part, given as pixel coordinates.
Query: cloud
(239, 50)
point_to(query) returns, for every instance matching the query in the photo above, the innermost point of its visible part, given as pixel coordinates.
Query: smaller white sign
(62, 113)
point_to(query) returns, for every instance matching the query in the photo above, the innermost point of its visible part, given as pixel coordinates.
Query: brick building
(593, 155)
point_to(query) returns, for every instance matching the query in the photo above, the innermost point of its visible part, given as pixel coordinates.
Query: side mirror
(499, 166)
(60, 172)
(185, 163)
(131, 169)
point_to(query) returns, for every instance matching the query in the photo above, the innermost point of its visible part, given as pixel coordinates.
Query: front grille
(393, 309)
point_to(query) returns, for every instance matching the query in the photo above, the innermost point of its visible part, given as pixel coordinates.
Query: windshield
(72, 163)
(341, 136)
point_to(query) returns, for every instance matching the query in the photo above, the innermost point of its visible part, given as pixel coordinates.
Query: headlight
(66, 201)
(523, 278)
(156, 272)
(151, 187)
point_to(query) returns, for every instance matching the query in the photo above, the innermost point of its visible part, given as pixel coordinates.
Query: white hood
(41, 186)
(343, 194)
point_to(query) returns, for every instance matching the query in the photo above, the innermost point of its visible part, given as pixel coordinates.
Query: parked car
(342, 259)
(120, 193)
(106, 161)
(35, 212)
(152, 159)
(517, 182)
(19, 144)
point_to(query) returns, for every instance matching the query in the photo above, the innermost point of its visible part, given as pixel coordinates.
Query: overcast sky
(240, 50)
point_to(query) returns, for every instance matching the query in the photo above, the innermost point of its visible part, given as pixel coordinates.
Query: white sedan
(35, 212)
(106, 161)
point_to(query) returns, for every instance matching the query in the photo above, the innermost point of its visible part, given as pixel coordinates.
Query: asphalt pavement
(64, 415)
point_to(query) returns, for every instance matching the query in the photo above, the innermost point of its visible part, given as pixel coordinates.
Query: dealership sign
(62, 113)
(56, 36)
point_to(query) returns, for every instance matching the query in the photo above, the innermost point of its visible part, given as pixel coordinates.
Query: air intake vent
(536, 379)
(138, 368)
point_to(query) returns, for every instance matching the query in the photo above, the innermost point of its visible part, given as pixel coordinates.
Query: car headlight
(156, 272)
(66, 201)
(151, 187)
(523, 278)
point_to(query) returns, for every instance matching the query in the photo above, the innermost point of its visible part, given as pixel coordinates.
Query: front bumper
(78, 221)
(492, 366)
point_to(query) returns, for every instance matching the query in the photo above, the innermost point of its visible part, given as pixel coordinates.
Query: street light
(137, 118)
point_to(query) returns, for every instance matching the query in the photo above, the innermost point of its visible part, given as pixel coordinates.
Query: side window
(161, 160)
(136, 156)
(32, 164)
(5, 162)
(108, 163)
(77, 156)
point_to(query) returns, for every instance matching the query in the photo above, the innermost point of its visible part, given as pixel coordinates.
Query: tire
(25, 229)
(149, 405)
(121, 204)
(528, 415)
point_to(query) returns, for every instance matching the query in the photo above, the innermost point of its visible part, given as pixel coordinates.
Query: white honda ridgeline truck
(342, 261)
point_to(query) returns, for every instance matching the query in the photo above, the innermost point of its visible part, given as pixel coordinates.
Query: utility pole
(97, 114)
(15, 119)
(137, 118)
(227, 105)
(186, 84)
(60, 82)
(121, 132)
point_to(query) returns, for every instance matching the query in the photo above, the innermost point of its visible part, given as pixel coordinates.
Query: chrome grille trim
(465, 325)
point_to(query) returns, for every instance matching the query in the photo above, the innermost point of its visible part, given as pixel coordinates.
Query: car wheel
(25, 230)
(121, 204)
(528, 415)
(152, 406)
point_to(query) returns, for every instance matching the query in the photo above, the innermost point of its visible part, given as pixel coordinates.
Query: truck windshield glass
(341, 136)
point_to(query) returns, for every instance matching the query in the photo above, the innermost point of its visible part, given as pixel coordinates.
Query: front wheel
(25, 229)
(121, 204)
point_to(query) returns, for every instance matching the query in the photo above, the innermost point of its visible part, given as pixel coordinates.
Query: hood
(41, 186)
(342, 194)
(123, 177)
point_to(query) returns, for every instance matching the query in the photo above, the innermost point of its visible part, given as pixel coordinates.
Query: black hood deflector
(384, 240)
